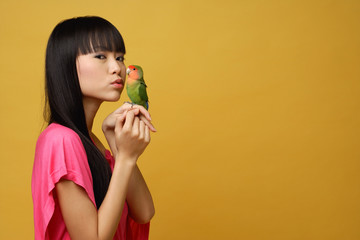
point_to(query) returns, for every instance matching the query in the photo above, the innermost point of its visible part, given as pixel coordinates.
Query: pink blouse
(60, 154)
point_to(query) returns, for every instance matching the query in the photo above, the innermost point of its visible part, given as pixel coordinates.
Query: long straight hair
(63, 96)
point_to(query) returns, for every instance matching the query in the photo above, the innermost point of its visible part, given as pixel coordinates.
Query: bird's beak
(128, 71)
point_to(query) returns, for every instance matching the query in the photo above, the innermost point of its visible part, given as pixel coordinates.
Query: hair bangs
(100, 36)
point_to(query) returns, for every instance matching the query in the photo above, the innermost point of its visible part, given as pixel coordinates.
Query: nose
(114, 67)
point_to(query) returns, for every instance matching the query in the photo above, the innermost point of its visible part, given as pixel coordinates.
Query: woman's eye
(100, 56)
(121, 59)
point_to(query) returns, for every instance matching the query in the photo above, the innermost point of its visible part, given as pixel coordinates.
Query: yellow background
(256, 104)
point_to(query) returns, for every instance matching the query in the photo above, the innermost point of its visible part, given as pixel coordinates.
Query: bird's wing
(142, 91)
(142, 81)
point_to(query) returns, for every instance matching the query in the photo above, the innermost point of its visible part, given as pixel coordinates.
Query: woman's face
(101, 75)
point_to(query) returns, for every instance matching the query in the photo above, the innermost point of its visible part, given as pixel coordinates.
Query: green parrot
(136, 87)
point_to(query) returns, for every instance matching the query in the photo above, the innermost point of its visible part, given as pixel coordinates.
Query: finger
(122, 108)
(135, 127)
(120, 122)
(135, 110)
(147, 134)
(129, 120)
(143, 111)
(148, 123)
(120, 113)
(142, 129)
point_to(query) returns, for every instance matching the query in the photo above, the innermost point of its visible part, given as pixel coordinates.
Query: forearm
(139, 198)
(110, 212)
(110, 138)
(138, 195)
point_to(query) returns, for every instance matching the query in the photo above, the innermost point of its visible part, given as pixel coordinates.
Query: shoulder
(55, 130)
(60, 148)
(57, 138)
(57, 134)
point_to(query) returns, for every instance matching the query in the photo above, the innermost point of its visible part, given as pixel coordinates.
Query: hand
(143, 114)
(131, 136)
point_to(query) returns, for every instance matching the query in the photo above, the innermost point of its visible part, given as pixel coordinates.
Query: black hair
(63, 97)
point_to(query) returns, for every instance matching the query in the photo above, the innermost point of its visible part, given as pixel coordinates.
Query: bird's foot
(132, 104)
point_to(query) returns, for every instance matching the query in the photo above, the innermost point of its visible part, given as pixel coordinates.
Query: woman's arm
(141, 205)
(81, 217)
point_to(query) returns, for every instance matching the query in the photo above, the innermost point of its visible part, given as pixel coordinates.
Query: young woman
(80, 190)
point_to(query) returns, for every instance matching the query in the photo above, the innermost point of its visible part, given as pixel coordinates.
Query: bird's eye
(134, 69)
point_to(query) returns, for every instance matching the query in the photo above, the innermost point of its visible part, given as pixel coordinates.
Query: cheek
(123, 71)
(86, 74)
(88, 71)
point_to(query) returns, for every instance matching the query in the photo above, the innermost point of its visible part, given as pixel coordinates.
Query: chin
(113, 98)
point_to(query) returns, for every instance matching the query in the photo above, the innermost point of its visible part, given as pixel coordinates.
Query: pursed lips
(118, 81)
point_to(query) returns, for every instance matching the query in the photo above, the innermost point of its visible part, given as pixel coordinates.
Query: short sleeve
(137, 231)
(59, 154)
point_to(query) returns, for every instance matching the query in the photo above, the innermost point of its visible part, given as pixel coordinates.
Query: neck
(91, 106)
(131, 81)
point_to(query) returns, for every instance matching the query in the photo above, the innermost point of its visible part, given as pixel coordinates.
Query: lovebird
(136, 87)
